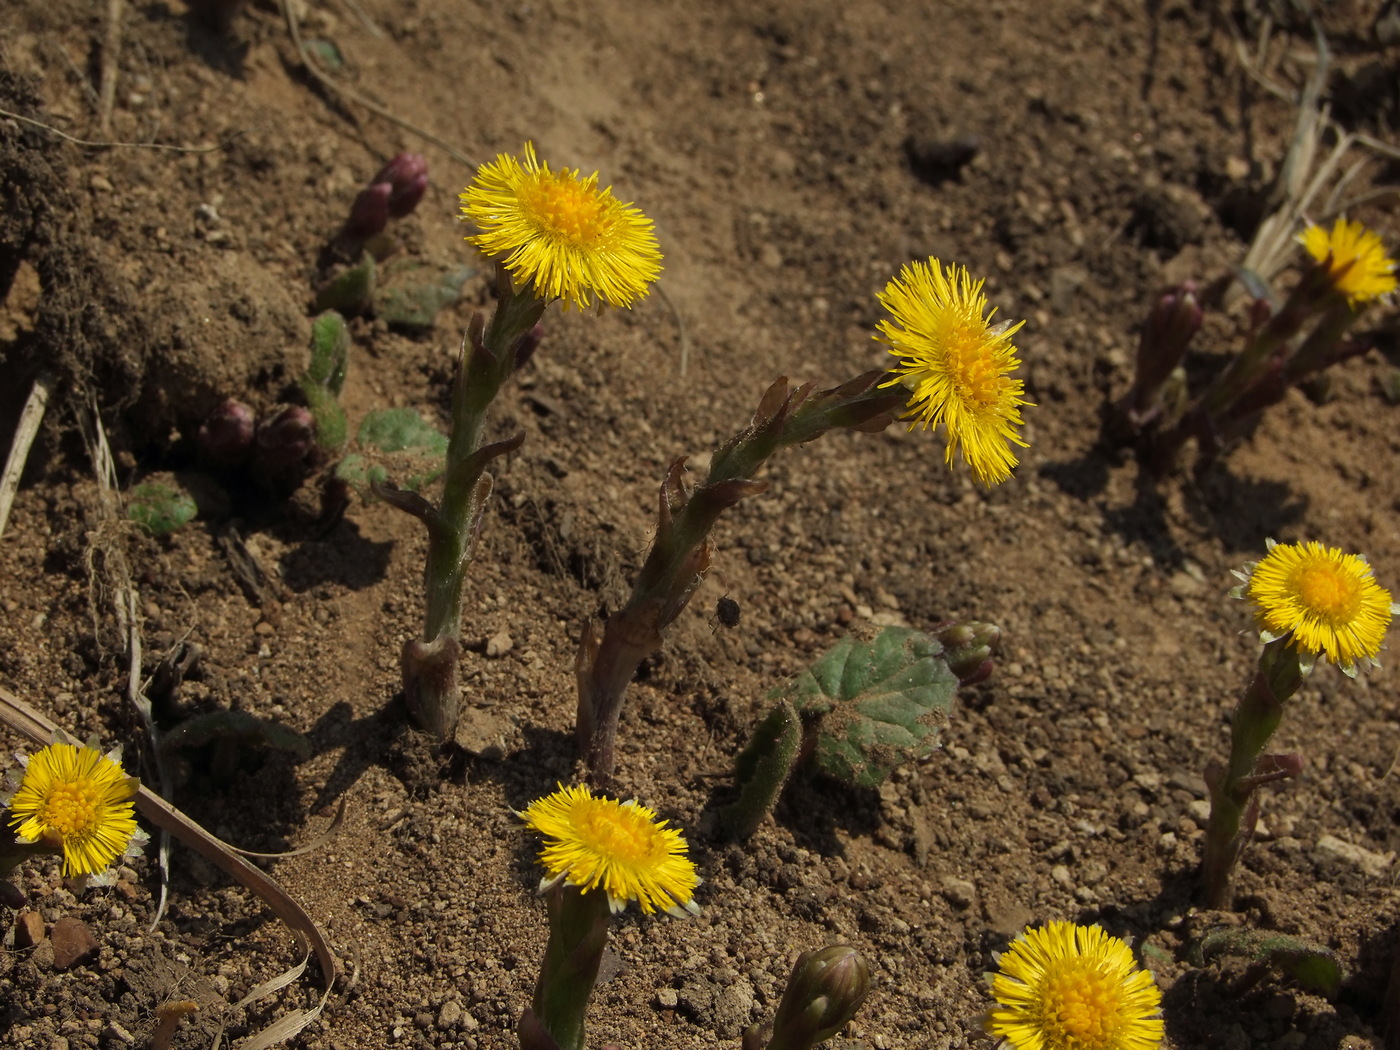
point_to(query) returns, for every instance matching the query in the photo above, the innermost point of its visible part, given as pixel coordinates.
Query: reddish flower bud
(284, 439)
(226, 437)
(370, 212)
(407, 176)
(1174, 320)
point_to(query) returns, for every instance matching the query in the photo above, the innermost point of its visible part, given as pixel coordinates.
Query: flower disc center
(69, 809)
(976, 376)
(623, 835)
(566, 209)
(1082, 1005)
(1328, 593)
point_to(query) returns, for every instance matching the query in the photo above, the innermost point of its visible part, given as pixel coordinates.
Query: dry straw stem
(1304, 173)
(113, 577)
(374, 107)
(111, 52)
(25, 433)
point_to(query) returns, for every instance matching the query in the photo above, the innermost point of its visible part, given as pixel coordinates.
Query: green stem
(1257, 716)
(488, 358)
(578, 933)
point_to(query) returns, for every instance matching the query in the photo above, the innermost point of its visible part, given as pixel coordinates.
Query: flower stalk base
(490, 353)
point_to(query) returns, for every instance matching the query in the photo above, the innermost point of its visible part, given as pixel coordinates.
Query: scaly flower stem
(1211, 414)
(680, 554)
(489, 355)
(578, 933)
(1257, 716)
(1320, 349)
(1312, 291)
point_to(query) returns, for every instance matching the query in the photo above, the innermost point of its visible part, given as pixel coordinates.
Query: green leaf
(395, 429)
(395, 443)
(409, 294)
(1314, 967)
(239, 726)
(331, 426)
(330, 352)
(160, 507)
(762, 769)
(881, 703)
(349, 291)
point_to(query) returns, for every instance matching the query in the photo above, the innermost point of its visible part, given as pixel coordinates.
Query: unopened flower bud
(1175, 318)
(285, 439)
(407, 177)
(226, 436)
(370, 212)
(968, 648)
(824, 992)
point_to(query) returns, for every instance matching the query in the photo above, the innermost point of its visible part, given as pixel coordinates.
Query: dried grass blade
(24, 719)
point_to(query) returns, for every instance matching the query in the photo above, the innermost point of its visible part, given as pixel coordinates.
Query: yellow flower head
(1068, 987)
(956, 365)
(77, 798)
(618, 847)
(1355, 258)
(560, 234)
(1328, 600)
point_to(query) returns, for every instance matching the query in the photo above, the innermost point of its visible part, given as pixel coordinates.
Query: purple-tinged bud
(407, 176)
(370, 212)
(1174, 319)
(968, 648)
(824, 992)
(286, 438)
(226, 436)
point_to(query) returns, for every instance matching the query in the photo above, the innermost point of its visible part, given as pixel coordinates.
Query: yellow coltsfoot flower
(560, 234)
(617, 847)
(1355, 259)
(1327, 599)
(1068, 987)
(77, 799)
(956, 365)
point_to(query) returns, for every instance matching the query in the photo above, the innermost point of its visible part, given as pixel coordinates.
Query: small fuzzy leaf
(160, 507)
(349, 291)
(1314, 967)
(395, 443)
(881, 703)
(396, 429)
(762, 769)
(330, 352)
(331, 426)
(359, 473)
(410, 294)
(235, 725)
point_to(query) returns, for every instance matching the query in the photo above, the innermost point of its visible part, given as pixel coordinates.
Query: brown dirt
(1119, 147)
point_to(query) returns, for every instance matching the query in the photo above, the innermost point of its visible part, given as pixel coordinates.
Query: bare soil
(1080, 156)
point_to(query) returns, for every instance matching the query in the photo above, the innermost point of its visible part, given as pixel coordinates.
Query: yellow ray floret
(956, 365)
(1328, 600)
(1355, 258)
(617, 847)
(1068, 987)
(80, 799)
(558, 233)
